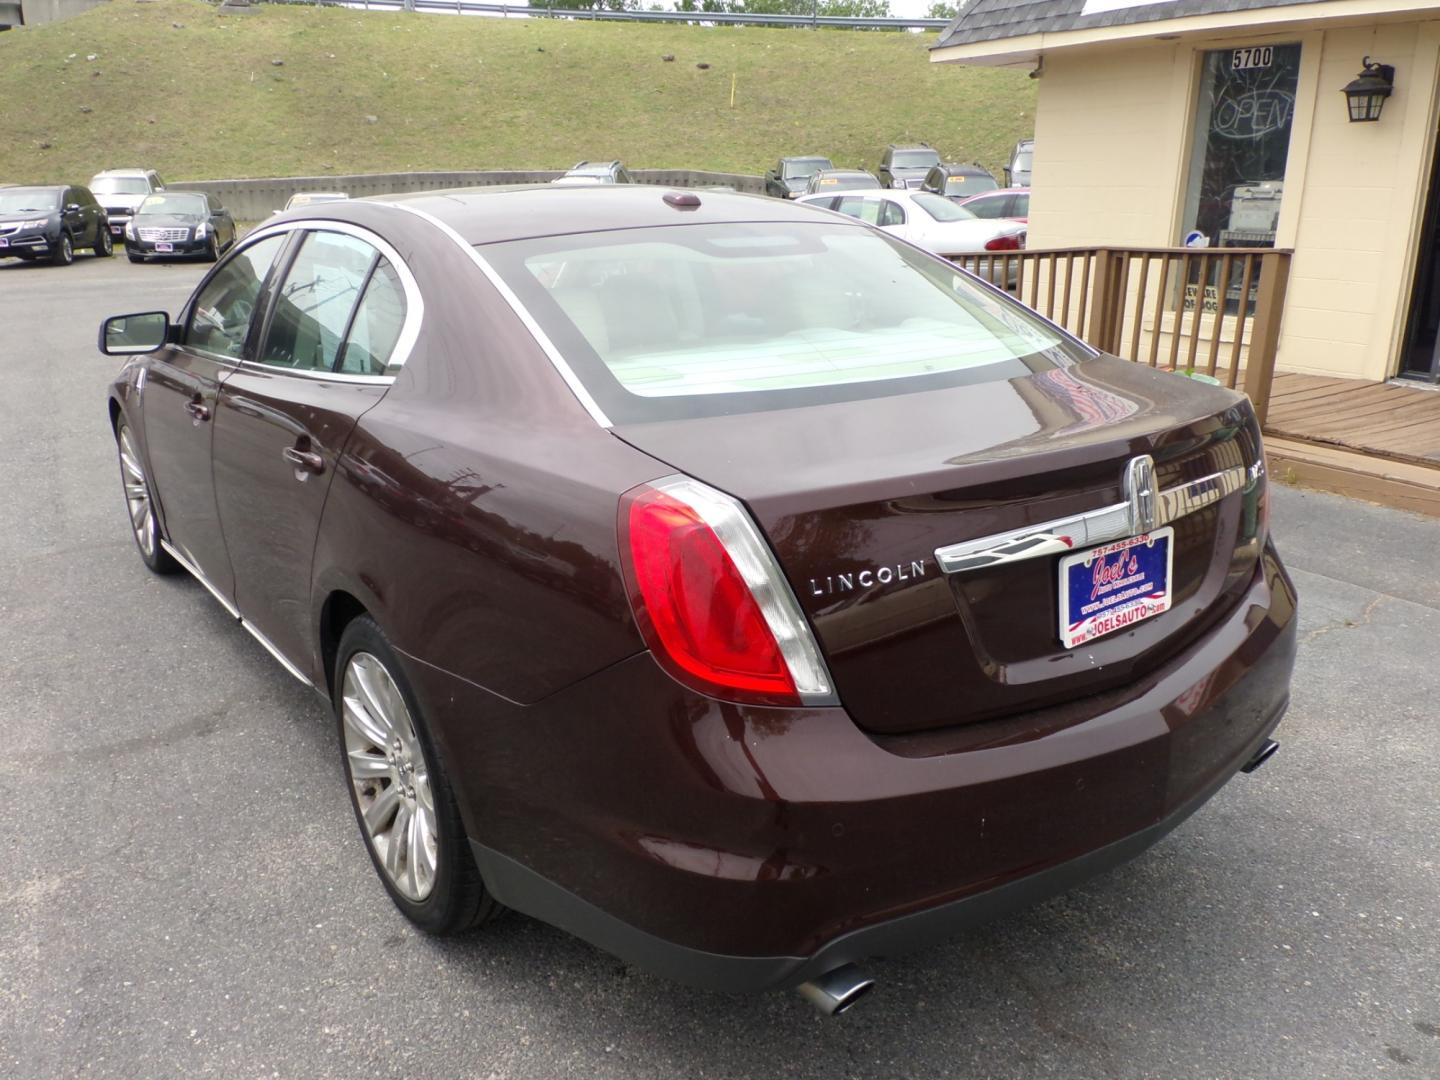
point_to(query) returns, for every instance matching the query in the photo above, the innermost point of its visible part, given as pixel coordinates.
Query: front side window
(681, 321)
(220, 318)
(1241, 141)
(313, 304)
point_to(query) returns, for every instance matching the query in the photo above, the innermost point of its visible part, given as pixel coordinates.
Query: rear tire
(399, 790)
(64, 253)
(104, 247)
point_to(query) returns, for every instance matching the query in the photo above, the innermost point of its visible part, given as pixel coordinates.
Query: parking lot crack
(1363, 619)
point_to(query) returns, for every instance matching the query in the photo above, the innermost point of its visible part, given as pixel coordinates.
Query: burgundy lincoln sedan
(728, 583)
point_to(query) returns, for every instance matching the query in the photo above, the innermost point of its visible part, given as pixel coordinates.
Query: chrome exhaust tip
(1264, 754)
(835, 991)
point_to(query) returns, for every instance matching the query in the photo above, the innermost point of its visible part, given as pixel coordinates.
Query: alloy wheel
(137, 495)
(387, 767)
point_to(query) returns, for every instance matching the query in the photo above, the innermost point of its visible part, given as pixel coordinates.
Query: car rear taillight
(1008, 242)
(711, 601)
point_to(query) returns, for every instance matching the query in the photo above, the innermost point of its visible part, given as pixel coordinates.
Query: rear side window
(866, 210)
(313, 305)
(377, 324)
(680, 321)
(220, 319)
(891, 213)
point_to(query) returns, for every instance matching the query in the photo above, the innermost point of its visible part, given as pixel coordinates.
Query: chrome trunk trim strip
(1143, 511)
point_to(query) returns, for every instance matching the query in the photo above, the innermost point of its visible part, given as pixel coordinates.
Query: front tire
(144, 525)
(104, 246)
(64, 253)
(399, 790)
(212, 249)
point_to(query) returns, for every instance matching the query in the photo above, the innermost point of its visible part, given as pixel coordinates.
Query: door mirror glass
(125, 335)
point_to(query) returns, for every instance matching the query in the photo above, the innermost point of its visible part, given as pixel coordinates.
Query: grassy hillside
(177, 86)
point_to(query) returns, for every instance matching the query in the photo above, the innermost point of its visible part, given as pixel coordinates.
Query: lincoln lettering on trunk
(833, 584)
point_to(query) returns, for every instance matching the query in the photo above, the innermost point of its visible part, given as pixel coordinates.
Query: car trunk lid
(856, 498)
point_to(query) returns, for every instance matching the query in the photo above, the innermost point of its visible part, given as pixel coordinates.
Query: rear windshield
(19, 200)
(175, 204)
(681, 321)
(971, 184)
(941, 208)
(119, 185)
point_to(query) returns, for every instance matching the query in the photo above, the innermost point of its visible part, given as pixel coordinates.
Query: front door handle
(304, 459)
(199, 411)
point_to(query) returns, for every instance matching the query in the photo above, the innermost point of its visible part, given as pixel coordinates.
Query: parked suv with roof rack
(958, 180)
(596, 172)
(905, 166)
(120, 191)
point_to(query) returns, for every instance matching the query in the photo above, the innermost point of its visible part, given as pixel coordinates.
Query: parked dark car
(51, 222)
(789, 177)
(721, 580)
(179, 223)
(832, 181)
(905, 166)
(595, 172)
(957, 180)
(1012, 203)
(120, 191)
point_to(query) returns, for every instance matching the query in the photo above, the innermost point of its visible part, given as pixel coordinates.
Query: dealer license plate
(4, 242)
(116, 230)
(1115, 586)
(164, 247)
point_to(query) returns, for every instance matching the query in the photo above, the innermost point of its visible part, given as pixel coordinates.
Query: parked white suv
(120, 191)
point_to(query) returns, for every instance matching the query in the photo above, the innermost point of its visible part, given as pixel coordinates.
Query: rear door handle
(304, 459)
(199, 412)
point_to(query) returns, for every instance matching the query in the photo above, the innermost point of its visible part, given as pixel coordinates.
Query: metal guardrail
(717, 18)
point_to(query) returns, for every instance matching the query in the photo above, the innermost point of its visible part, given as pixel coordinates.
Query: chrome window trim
(1144, 510)
(542, 339)
(414, 302)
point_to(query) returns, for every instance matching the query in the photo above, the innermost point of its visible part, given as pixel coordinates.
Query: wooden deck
(1400, 423)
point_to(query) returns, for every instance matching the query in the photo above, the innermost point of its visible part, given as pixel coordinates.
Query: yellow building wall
(1112, 149)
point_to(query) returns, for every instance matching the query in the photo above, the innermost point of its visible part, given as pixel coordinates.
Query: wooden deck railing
(1213, 311)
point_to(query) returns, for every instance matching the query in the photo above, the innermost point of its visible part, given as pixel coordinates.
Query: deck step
(1398, 484)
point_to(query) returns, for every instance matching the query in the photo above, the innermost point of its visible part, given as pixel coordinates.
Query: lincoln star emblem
(1140, 493)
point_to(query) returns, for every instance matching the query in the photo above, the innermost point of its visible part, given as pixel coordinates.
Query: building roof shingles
(993, 20)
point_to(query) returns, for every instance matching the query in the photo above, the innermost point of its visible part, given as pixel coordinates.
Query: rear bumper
(741, 849)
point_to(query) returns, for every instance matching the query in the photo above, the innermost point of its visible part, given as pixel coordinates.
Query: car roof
(805, 157)
(909, 146)
(964, 168)
(125, 172)
(999, 191)
(38, 187)
(496, 214)
(846, 172)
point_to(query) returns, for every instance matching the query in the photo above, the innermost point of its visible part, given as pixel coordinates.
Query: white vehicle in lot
(121, 191)
(932, 222)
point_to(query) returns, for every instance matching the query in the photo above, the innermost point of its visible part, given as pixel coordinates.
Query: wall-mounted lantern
(1366, 93)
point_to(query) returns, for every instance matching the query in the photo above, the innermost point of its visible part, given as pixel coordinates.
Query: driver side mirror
(127, 335)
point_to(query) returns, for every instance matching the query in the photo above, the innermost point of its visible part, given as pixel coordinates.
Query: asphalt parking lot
(183, 891)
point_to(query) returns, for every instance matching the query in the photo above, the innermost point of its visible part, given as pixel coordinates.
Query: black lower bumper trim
(516, 886)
